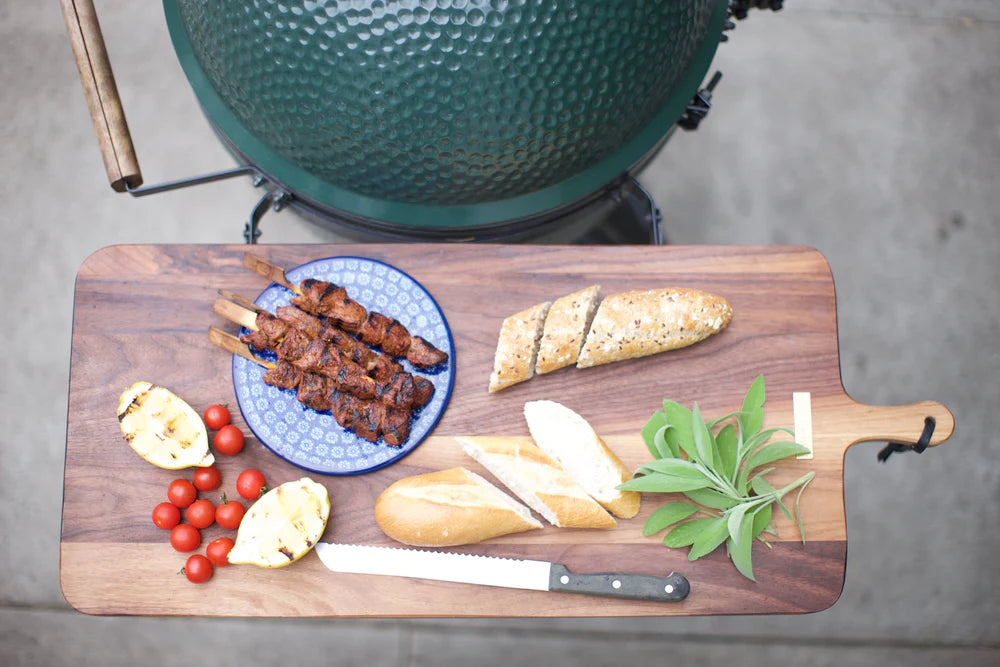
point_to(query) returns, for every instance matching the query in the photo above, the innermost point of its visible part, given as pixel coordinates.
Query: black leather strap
(919, 447)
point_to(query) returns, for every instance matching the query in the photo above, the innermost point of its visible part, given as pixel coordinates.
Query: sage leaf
(798, 514)
(684, 535)
(711, 498)
(715, 422)
(663, 446)
(734, 519)
(761, 519)
(675, 467)
(760, 485)
(752, 415)
(680, 418)
(774, 452)
(667, 515)
(710, 538)
(727, 444)
(649, 431)
(763, 488)
(740, 546)
(702, 438)
(660, 483)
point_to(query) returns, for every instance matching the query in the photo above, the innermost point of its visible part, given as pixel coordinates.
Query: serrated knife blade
(534, 575)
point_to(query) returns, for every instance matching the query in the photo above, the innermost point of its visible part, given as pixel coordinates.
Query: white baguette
(569, 439)
(538, 481)
(448, 508)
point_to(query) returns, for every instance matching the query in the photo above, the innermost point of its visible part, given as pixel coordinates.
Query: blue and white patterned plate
(314, 440)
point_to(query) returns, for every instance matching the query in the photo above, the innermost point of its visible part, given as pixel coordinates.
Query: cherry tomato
(201, 513)
(198, 569)
(229, 440)
(185, 537)
(218, 551)
(166, 516)
(229, 514)
(207, 479)
(216, 416)
(181, 493)
(250, 484)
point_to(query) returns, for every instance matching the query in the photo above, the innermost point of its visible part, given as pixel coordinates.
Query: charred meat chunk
(283, 375)
(315, 392)
(424, 355)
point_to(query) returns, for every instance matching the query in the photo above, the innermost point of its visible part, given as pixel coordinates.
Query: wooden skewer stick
(231, 343)
(272, 272)
(234, 303)
(235, 313)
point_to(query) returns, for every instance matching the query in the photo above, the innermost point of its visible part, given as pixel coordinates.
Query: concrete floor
(868, 129)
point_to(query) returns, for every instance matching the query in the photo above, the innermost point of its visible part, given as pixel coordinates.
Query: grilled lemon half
(283, 525)
(162, 428)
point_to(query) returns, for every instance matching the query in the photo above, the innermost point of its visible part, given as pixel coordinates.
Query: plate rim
(451, 370)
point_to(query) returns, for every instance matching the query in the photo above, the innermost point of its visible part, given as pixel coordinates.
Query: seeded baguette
(449, 508)
(640, 323)
(538, 481)
(517, 347)
(566, 326)
(575, 446)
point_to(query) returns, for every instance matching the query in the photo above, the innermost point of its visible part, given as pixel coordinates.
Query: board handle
(903, 424)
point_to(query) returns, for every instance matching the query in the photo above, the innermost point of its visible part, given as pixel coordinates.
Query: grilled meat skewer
(392, 384)
(367, 418)
(323, 298)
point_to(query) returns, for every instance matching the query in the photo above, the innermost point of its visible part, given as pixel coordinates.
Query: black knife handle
(671, 588)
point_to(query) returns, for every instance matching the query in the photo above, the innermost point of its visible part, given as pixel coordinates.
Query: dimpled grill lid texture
(446, 112)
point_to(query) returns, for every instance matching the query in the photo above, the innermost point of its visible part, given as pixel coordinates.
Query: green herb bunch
(719, 474)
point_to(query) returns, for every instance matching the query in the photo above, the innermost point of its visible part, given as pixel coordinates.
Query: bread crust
(566, 326)
(536, 479)
(640, 323)
(626, 504)
(517, 347)
(448, 508)
(570, 440)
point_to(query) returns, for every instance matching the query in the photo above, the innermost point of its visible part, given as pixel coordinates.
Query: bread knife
(536, 575)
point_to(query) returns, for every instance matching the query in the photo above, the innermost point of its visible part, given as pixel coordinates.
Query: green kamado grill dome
(444, 116)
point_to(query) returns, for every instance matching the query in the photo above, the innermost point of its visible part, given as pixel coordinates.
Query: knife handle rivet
(668, 588)
(616, 584)
(564, 579)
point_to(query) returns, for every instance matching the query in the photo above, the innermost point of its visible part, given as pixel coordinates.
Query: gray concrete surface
(870, 130)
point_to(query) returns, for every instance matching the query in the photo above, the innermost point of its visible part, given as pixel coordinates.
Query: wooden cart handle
(102, 94)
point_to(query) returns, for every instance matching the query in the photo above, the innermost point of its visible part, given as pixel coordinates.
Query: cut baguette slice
(448, 508)
(637, 324)
(517, 346)
(537, 480)
(566, 326)
(569, 439)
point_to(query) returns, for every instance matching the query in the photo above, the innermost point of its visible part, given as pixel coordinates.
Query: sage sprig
(717, 465)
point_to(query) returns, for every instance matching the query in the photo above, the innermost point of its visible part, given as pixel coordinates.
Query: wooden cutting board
(142, 312)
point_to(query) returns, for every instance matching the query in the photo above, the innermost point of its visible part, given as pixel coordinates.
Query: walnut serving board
(142, 313)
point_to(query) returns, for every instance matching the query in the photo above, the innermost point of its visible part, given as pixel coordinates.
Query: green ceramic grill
(442, 118)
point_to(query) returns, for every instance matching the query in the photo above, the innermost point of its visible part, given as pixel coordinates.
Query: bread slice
(448, 508)
(566, 326)
(538, 481)
(637, 324)
(517, 346)
(572, 443)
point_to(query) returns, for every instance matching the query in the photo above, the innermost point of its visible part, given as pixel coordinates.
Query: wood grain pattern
(142, 312)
